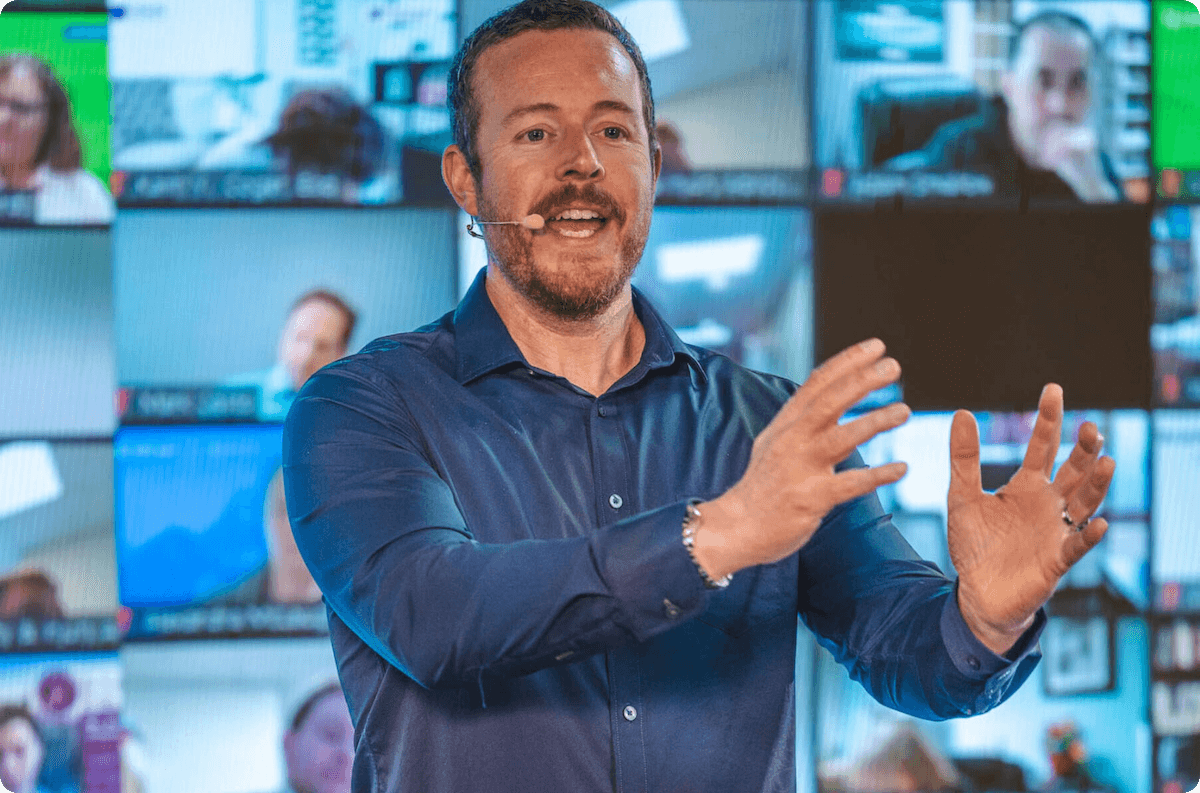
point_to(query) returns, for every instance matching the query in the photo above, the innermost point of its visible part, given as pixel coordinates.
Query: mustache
(589, 194)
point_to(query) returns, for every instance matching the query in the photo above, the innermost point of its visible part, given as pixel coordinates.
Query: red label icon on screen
(831, 182)
(116, 183)
(1170, 183)
(122, 402)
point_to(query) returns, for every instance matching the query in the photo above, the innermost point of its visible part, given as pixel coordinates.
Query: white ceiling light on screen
(28, 477)
(656, 25)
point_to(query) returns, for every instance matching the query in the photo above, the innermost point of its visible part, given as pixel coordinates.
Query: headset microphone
(531, 222)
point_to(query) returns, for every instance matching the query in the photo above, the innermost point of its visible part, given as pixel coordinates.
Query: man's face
(23, 118)
(320, 754)
(1047, 87)
(561, 134)
(312, 337)
(21, 755)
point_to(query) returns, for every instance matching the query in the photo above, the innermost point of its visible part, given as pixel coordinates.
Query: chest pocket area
(756, 596)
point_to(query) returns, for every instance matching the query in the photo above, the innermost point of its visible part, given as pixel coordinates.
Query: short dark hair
(512, 21)
(333, 299)
(13, 712)
(1059, 21)
(306, 707)
(59, 145)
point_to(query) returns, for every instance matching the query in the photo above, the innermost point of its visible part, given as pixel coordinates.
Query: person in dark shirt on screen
(562, 550)
(1037, 139)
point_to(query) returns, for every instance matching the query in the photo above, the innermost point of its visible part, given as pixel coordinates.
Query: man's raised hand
(1011, 548)
(790, 484)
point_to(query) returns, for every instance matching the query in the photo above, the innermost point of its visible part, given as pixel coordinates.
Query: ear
(457, 176)
(656, 156)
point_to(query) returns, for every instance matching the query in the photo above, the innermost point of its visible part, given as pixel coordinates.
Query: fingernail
(872, 345)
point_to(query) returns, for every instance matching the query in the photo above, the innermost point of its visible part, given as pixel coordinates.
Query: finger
(1087, 497)
(1081, 461)
(1078, 543)
(826, 408)
(842, 439)
(1047, 432)
(855, 358)
(965, 477)
(847, 485)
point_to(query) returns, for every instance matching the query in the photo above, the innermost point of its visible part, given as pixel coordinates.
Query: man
(319, 743)
(317, 331)
(499, 510)
(1037, 139)
(22, 750)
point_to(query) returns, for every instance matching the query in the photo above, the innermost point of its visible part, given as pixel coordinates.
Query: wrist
(712, 547)
(997, 638)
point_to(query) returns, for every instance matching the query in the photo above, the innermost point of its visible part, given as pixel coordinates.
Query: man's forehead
(1047, 45)
(543, 57)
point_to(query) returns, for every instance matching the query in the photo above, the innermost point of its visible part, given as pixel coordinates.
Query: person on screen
(316, 332)
(1037, 139)
(40, 149)
(22, 750)
(318, 747)
(563, 550)
(283, 578)
(29, 594)
(327, 132)
(905, 763)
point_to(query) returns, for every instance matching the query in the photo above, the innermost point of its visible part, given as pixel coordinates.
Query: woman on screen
(39, 147)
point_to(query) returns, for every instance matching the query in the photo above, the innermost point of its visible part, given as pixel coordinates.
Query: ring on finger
(1066, 516)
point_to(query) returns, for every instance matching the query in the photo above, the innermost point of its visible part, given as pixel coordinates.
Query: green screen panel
(76, 47)
(1175, 84)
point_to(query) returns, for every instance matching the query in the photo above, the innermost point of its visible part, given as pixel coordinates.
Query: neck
(590, 353)
(17, 177)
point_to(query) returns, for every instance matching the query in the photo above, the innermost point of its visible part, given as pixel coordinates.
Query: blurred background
(202, 203)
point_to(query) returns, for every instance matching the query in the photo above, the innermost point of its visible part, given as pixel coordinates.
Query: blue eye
(536, 134)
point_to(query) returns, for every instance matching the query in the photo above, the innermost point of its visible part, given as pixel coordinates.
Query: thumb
(965, 479)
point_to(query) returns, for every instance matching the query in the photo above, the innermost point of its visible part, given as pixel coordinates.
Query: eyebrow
(550, 107)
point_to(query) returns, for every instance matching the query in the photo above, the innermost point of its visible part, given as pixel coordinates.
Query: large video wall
(201, 203)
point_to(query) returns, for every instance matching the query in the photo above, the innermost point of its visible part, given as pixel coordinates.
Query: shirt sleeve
(892, 619)
(386, 542)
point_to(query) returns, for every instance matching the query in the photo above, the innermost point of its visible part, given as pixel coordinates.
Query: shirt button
(615, 501)
(601, 411)
(630, 713)
(972, 662)
(670, 609)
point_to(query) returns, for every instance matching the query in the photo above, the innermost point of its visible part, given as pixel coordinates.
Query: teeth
(577, 214)
(585, 233)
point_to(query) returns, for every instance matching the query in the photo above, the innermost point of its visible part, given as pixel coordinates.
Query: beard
(585, 284)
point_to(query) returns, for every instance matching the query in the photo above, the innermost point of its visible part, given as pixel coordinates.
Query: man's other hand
(1011, 547)
(790, 483)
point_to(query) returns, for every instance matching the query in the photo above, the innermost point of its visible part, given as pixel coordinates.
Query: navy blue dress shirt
(510, 602)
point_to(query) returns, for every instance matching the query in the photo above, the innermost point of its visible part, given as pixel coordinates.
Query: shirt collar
(483, 344)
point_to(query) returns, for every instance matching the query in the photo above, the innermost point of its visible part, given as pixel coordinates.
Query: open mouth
(576, 223)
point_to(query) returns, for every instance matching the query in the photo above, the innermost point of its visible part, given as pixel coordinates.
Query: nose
(1056, 101)
(580, 160)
